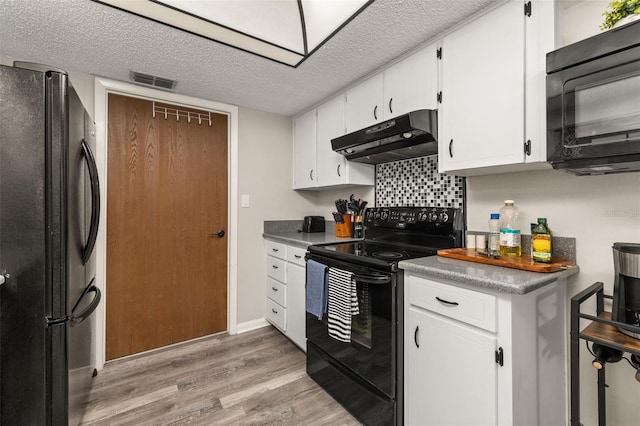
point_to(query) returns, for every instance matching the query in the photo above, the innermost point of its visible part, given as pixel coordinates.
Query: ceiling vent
(152, 80)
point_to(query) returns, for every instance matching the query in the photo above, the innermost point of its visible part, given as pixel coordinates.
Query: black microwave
(593, 103)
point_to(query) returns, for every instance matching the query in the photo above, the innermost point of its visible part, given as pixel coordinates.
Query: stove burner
(388, 254)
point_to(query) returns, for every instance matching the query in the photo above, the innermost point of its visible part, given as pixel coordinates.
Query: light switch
(245, 200)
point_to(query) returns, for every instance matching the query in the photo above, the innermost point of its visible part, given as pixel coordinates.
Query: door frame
(102, 89)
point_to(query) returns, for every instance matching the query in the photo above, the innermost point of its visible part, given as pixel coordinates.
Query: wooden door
(166, 202)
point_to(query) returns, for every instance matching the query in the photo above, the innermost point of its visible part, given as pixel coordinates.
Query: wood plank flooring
(255, 378)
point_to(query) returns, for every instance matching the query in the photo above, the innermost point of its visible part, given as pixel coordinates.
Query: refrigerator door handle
(91, 288)
(95, 202)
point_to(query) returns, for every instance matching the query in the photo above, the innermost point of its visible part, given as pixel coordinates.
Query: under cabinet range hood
(406, 136)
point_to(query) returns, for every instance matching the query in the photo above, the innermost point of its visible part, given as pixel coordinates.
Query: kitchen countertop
(303, 239)
(497, 278)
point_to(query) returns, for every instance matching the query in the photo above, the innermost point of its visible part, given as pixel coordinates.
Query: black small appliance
(593, 113)
(313, 224)
(626, 287)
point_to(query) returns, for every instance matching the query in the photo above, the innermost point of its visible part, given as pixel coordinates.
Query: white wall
(581, 20)
(266, 175)
(597, 211)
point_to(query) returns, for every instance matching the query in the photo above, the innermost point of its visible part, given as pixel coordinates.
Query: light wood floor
(255, 378)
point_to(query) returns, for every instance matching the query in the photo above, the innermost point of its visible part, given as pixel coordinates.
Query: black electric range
(365, 373)
(392, 234)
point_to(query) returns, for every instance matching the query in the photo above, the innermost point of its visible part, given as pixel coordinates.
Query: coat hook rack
(166, 111)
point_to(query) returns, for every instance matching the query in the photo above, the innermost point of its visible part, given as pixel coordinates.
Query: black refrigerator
(49, 210)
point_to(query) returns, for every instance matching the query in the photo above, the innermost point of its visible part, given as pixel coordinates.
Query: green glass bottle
(541, 248)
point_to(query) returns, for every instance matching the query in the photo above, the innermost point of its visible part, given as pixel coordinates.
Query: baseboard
(251, 325)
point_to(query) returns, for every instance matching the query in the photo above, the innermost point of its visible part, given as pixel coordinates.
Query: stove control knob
(422, 217)
(384, 215)
(444, 217)
(433, 216)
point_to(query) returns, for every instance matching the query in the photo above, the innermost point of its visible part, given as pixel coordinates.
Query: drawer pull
(274, 266)
(415, 337)
(274, 289)
(275, 249)
(446, 302)
(274, 311)
(297, 256)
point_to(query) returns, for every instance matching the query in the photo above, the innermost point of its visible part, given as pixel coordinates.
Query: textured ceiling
(89, 37)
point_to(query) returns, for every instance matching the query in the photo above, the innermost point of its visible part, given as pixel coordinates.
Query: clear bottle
(509, 230)
(541, 248)
(493, 248)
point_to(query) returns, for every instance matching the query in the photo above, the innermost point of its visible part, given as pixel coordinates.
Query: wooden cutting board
(524, 262)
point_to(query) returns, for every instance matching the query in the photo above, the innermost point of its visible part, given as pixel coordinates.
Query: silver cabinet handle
(297, 256)
(274, 311)
(274, 289)
(311, 174)
(274, 266)
(338, 169)
(275, 249)
(391, 105)
(375, 112)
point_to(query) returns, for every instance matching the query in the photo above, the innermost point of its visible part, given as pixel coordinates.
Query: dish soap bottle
(541, 242)
(509, 230)
(493, 248)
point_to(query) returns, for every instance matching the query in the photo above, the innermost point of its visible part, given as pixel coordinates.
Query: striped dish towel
(342, 303)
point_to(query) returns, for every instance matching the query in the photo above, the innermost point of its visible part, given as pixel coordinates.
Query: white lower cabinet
(445, 370)
(285, 289)
(482, 357)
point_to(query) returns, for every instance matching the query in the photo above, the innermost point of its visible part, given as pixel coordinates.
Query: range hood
(406, 136)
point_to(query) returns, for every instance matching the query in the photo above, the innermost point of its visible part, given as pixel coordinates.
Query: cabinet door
(304, 151)
(481, 117)
(330, 124)
(451, 376)
(364, 104)
(411, 84)
(296, 278)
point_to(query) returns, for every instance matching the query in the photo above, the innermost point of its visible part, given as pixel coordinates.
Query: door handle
(375, 112)
(95, 202)
(391, 105)
(218, 234)
(415, 337)
(451, 148)
(338, 170)
(91, 288)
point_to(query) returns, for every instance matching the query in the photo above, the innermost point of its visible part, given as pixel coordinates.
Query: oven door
(372, 353)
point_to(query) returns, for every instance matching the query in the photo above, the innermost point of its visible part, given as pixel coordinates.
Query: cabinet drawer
(277, 291)
(471, 307)
(278, 250)
(276, 268)
(296, 255)
(276, 314)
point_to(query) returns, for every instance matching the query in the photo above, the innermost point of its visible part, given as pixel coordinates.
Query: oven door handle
(372, 279)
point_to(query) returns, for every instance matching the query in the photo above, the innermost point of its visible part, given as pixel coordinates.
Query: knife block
(344, 229)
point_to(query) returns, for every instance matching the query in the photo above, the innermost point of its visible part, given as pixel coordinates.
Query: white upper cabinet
(364, 104)
(412, 83)
(316, 165)
(304, 151)
(406, 86)
(489, 69)
(481, 119)
(331, 165)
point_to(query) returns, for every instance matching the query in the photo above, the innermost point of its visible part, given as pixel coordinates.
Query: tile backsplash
(416, 182)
